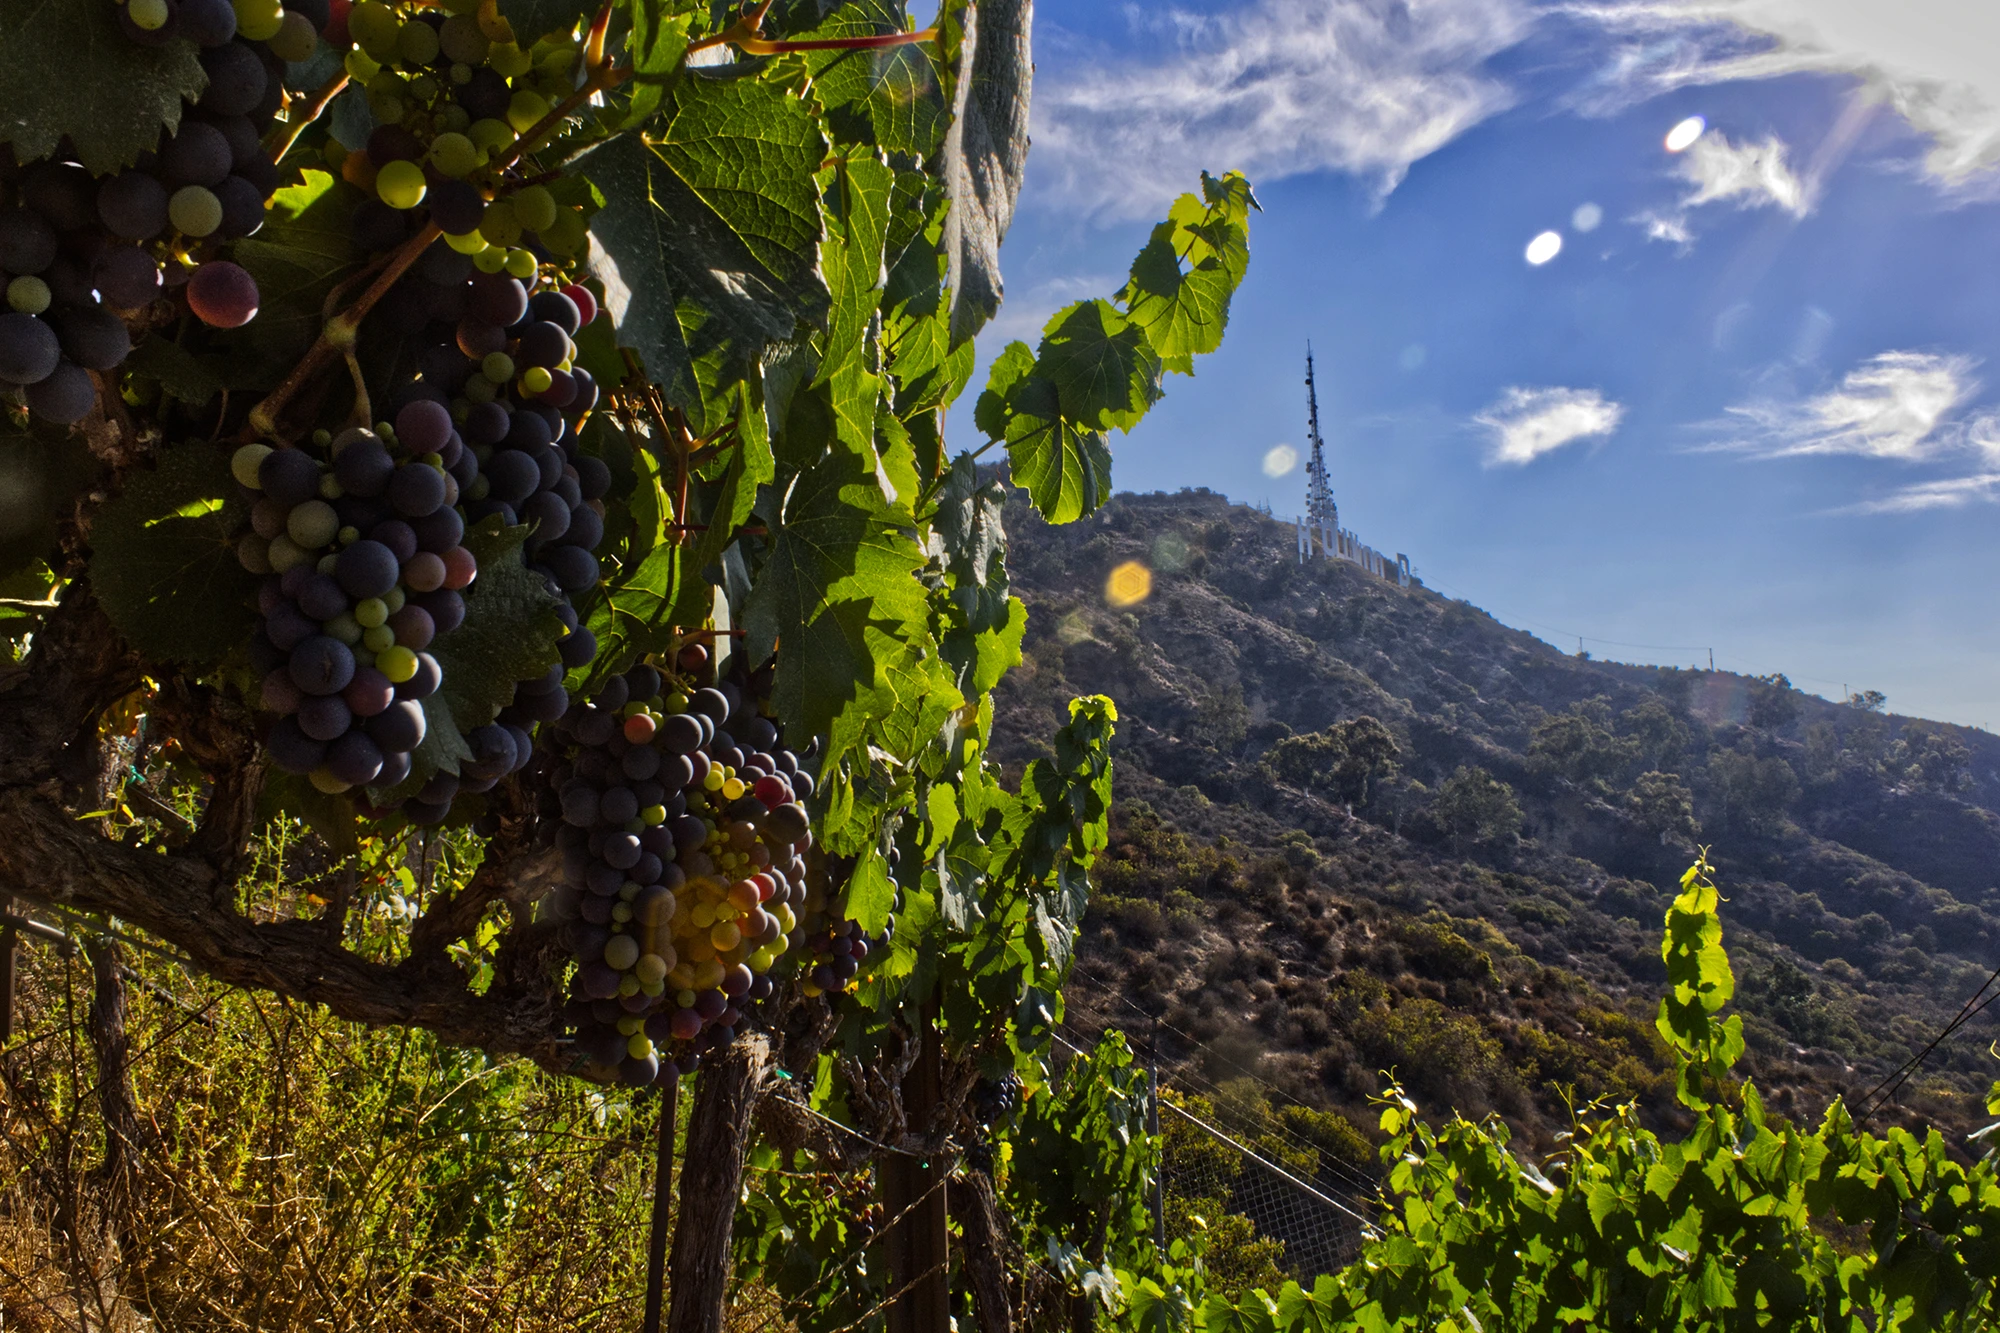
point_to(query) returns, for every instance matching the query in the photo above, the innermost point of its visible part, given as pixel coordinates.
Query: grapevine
(527, 422)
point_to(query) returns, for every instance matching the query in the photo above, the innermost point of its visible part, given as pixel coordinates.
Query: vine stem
(280, 141)
(602, 79)
(338, 335)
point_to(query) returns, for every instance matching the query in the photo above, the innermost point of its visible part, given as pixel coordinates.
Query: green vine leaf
(1182, 281)
(68, 71)
(163, 559)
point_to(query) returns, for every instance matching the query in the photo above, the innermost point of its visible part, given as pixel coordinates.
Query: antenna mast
(1321, 512)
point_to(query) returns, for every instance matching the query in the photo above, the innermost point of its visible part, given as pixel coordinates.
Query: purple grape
(27, 242)
(64, 396)
(292, 750)
(289, 476)
(425, 683)
(29, 351)
(401, 726)
(92, 336)
(354, 759)
(416, 489)
(423, 427)
(324, 665)
(127, 277)
(325, 717)
(133, 204)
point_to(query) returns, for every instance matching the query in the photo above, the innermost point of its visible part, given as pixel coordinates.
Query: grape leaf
(888, 97)
(1105, 372)
(40, 474)
(985, 152)
(163, 558)
(838, 584)
(194, 380)
(68, 71)
(1065, 468)
(714, 208)
(1182, 281)
(304, 248)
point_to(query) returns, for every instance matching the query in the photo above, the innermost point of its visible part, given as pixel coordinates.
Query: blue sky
(1751, 404)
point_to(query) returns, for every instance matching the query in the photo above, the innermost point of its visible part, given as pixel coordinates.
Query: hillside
(1471, 891)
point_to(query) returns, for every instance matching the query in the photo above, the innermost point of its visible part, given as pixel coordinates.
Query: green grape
(386, 107)
(149, 15)
(424, 87)
(509, 60)
(370, 612)
(525, 108)
(28, 294)
(285, 553)
(501, 225)
(243, 464)
(536, 380)
(535, 206)
(328, 783)
(464, 42)
(394, 599)
(491, 135)
(312, 524)
(196, 211)
(374, 28)
(416, 43)
(400, 184)
(566, 234)
(360, 66)
(454, 154)
(520, 264)
(490, 260)
(378, 638)
(456, 119)
(498, 367)
(296, 38)
(469, 244)
(343, 627)
(258, 20)
(479, 389)
(398, 664)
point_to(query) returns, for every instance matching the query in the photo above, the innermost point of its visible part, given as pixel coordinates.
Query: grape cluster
(365, 567)
(995, 1099)
(835, 952)
(79, 254)
(683, 844)
(447, 101)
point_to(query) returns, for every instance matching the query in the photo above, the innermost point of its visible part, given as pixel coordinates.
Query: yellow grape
(400, 184)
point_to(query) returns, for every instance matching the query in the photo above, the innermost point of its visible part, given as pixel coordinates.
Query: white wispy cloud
(1932, 60)
(1524, 424)
(1950, 493)
(1748, 175)
(1274, 89)
(1896, 405)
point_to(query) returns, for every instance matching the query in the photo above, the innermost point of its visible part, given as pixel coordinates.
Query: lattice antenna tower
(1321, 512)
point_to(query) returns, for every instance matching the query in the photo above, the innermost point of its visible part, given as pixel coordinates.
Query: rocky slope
(1471, 893)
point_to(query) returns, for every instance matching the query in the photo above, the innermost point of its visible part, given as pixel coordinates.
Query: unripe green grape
(285, 553)
(559, 62)
(463, 40)
(490, 260)
(378, 638)
(254, 554)
(243, 464)
(324, 781)
(535, 206)
(520, 264)
(394, 599)
(454, 154)
(195, 211)
(565, 235)
(416, 43)
(464, 7)
(500, 225)
(479, 389)
(490, 134)
(296, 38)
(348, 535)
(149, 15)
(312, 524)
(621, 952)
(456, 119)
(469, 244)
(525, 108)
(424, 87)
(398, 664)
(370, 612)
(498, 367)
(330, 487)
(343, 627)
(361, 67)
(536, 380)
(509, 60)
(386, 107)
(639, 1047)
(374, 28)
(326, 564)
(334, 154)
(258, 20)
(400, 184)
(28, 294)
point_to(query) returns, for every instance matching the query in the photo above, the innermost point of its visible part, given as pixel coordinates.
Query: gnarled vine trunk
(718, 1136)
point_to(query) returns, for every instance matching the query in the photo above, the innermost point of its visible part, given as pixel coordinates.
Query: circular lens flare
(1130, 584)
(1280, 459)
(1682, 136)
(1544, 248)
(1587, 217)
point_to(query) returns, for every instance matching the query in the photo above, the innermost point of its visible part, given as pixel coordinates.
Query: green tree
(1749, 793)
(1580, 747)
(1930, 758)
(1663, 806)
(1473, 805)
(1774, 704)
(1347, 759)
(1659, 732)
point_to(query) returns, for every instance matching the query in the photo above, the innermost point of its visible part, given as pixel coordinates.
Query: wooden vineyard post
(711, 1178)
(913, 1196)
(663, 1188)
(9, 942)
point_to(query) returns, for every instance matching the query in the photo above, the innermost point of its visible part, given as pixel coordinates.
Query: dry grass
(292, 1172)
